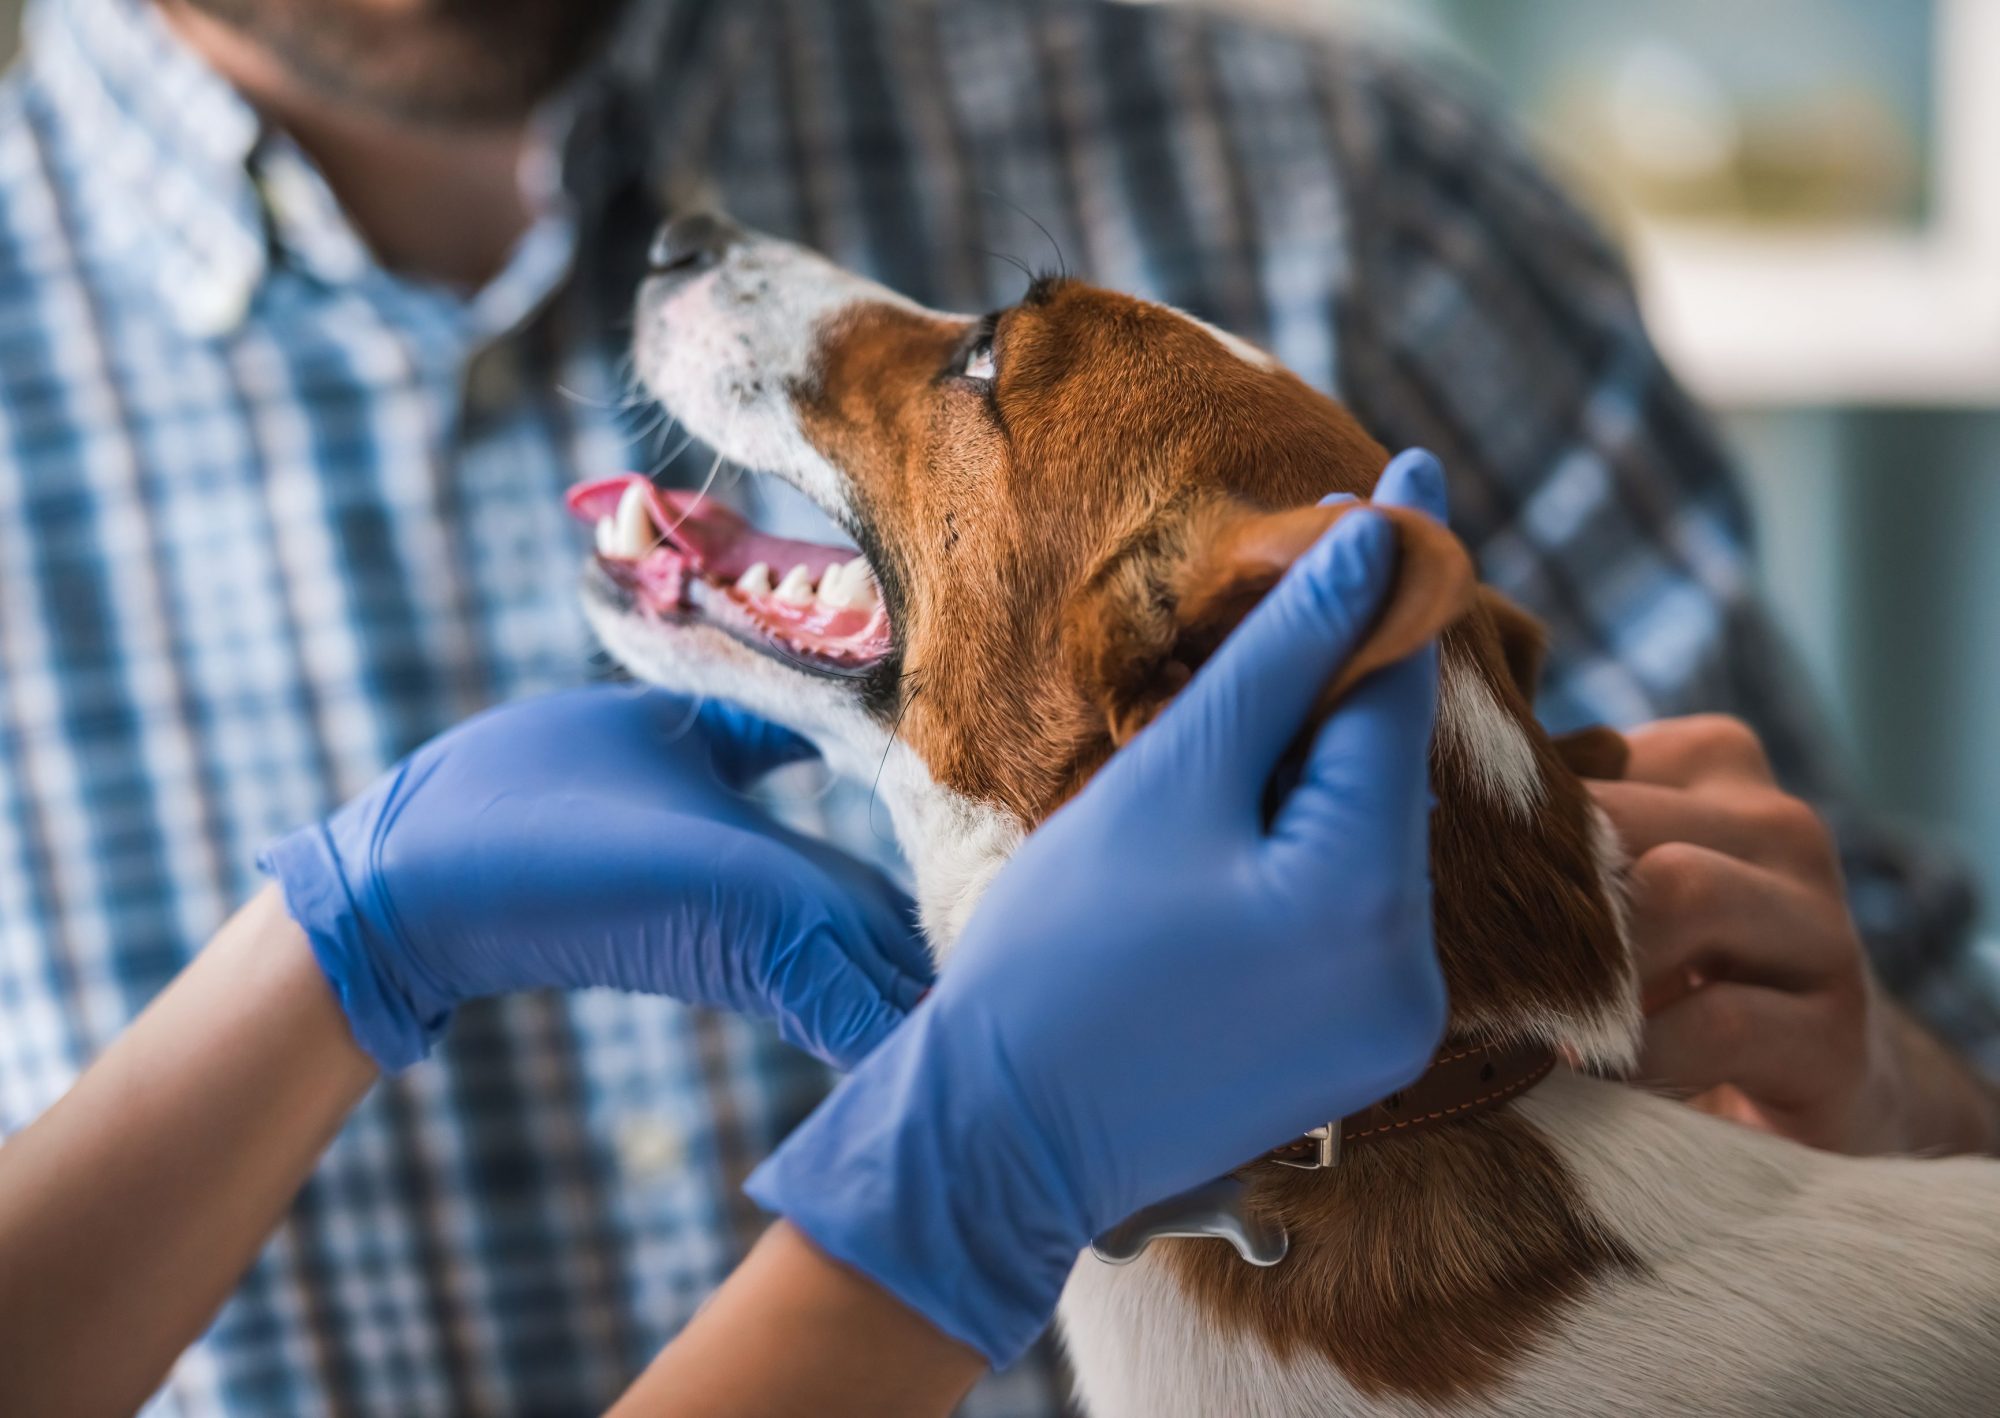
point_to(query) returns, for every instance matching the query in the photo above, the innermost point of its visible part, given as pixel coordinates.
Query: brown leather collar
(1463, 1080)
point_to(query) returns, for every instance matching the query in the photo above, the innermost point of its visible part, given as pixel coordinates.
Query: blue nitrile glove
(596, 837)
(1157, 988)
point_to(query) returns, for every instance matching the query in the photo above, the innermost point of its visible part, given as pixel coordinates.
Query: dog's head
(1062, 508)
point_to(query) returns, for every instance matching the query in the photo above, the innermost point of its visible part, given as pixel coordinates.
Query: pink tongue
(716, 541)
(701, 537)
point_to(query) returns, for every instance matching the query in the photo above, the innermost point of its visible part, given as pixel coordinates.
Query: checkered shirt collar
(211, 198)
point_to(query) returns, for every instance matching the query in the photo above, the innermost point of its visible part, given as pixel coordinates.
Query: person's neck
(443, 204)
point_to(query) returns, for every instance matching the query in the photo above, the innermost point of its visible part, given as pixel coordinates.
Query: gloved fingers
(780, 940)
(741, 921)
(825, 1004)
(616, 735)
(1415, 479)
(882, 942)
(1227, 730)
(1367, 773)
(911, 969)
(743, 747)
(758, 874)
(885, 935)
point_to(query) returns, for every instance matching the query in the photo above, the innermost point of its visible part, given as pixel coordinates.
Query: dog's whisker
(667, 460)
(1027, 272)
(1062, 263)
(828, 783)
(686, 726)
(587, 400)
(646, 426)
(700, 496)
(875, 788)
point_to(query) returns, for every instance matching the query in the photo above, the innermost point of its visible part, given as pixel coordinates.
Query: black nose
(689, 245)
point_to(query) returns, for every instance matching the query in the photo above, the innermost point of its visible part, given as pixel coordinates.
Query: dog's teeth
(633, 535)
(607, 537)
(833, 586)
(756, 581)
(862, 592)
(797, 587)
(849, 586)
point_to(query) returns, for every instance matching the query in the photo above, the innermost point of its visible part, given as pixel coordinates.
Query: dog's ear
(1150, 617)
(1524, 642)
(1595, 752)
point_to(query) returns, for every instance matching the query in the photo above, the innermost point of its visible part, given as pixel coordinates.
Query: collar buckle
(1318, 1150)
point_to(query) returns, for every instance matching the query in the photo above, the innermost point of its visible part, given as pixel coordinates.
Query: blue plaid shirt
(270, 515)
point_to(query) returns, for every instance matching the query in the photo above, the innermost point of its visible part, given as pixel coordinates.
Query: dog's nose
(689, 245)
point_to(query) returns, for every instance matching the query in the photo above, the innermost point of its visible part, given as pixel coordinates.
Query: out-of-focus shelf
(1818, 316)
(1862, 318)
(1854, 316)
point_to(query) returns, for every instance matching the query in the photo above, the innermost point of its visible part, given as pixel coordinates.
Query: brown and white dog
(1060, 510)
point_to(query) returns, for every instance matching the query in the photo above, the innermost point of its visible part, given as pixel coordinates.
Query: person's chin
(453, 65)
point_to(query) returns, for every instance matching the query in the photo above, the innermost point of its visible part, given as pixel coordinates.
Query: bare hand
(1760, 1002)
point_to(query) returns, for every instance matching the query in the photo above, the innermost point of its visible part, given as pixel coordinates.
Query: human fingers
(1787, 1053)
(1699, 914)
(1759, 825)
(1700, 748)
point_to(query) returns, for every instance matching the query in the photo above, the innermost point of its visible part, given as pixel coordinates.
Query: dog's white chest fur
(1778, 1281)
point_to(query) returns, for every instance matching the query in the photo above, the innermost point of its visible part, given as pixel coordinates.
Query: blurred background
(1808, 193)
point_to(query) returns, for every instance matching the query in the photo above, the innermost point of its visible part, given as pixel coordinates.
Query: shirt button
(214, 305)
(650, 1147)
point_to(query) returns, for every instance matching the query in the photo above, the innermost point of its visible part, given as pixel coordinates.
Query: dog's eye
(979, 363)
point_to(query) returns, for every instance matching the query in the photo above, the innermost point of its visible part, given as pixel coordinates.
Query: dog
(1058, 511)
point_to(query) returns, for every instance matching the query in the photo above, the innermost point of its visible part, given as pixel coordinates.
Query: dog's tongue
(809, 601)
(715, 541)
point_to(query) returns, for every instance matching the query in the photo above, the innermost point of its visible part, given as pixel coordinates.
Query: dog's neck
(1505, 1238)
(956, 845)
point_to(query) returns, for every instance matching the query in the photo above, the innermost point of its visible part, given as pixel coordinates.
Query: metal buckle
(1218, 1210)
(1326, 1150)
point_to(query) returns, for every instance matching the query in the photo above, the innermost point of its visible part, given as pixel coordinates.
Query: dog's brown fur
(1056, 575)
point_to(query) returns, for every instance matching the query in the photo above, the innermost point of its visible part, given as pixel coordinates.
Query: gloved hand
(1158, 987)
(597, 837)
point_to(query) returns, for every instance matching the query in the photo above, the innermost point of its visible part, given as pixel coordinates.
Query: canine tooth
(797, 587)
(849, 586)
(757, 580)
(633, 536)
(607, 537)
(862, 592)
(833, 586)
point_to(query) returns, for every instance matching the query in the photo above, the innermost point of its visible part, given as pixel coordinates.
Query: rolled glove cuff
(937, 1189)
(318, 897)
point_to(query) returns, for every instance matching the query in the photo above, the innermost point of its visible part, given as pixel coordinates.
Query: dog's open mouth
(682, 557)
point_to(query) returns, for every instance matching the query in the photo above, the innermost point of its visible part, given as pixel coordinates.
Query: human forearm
(130, 1209)
(796, 1332)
